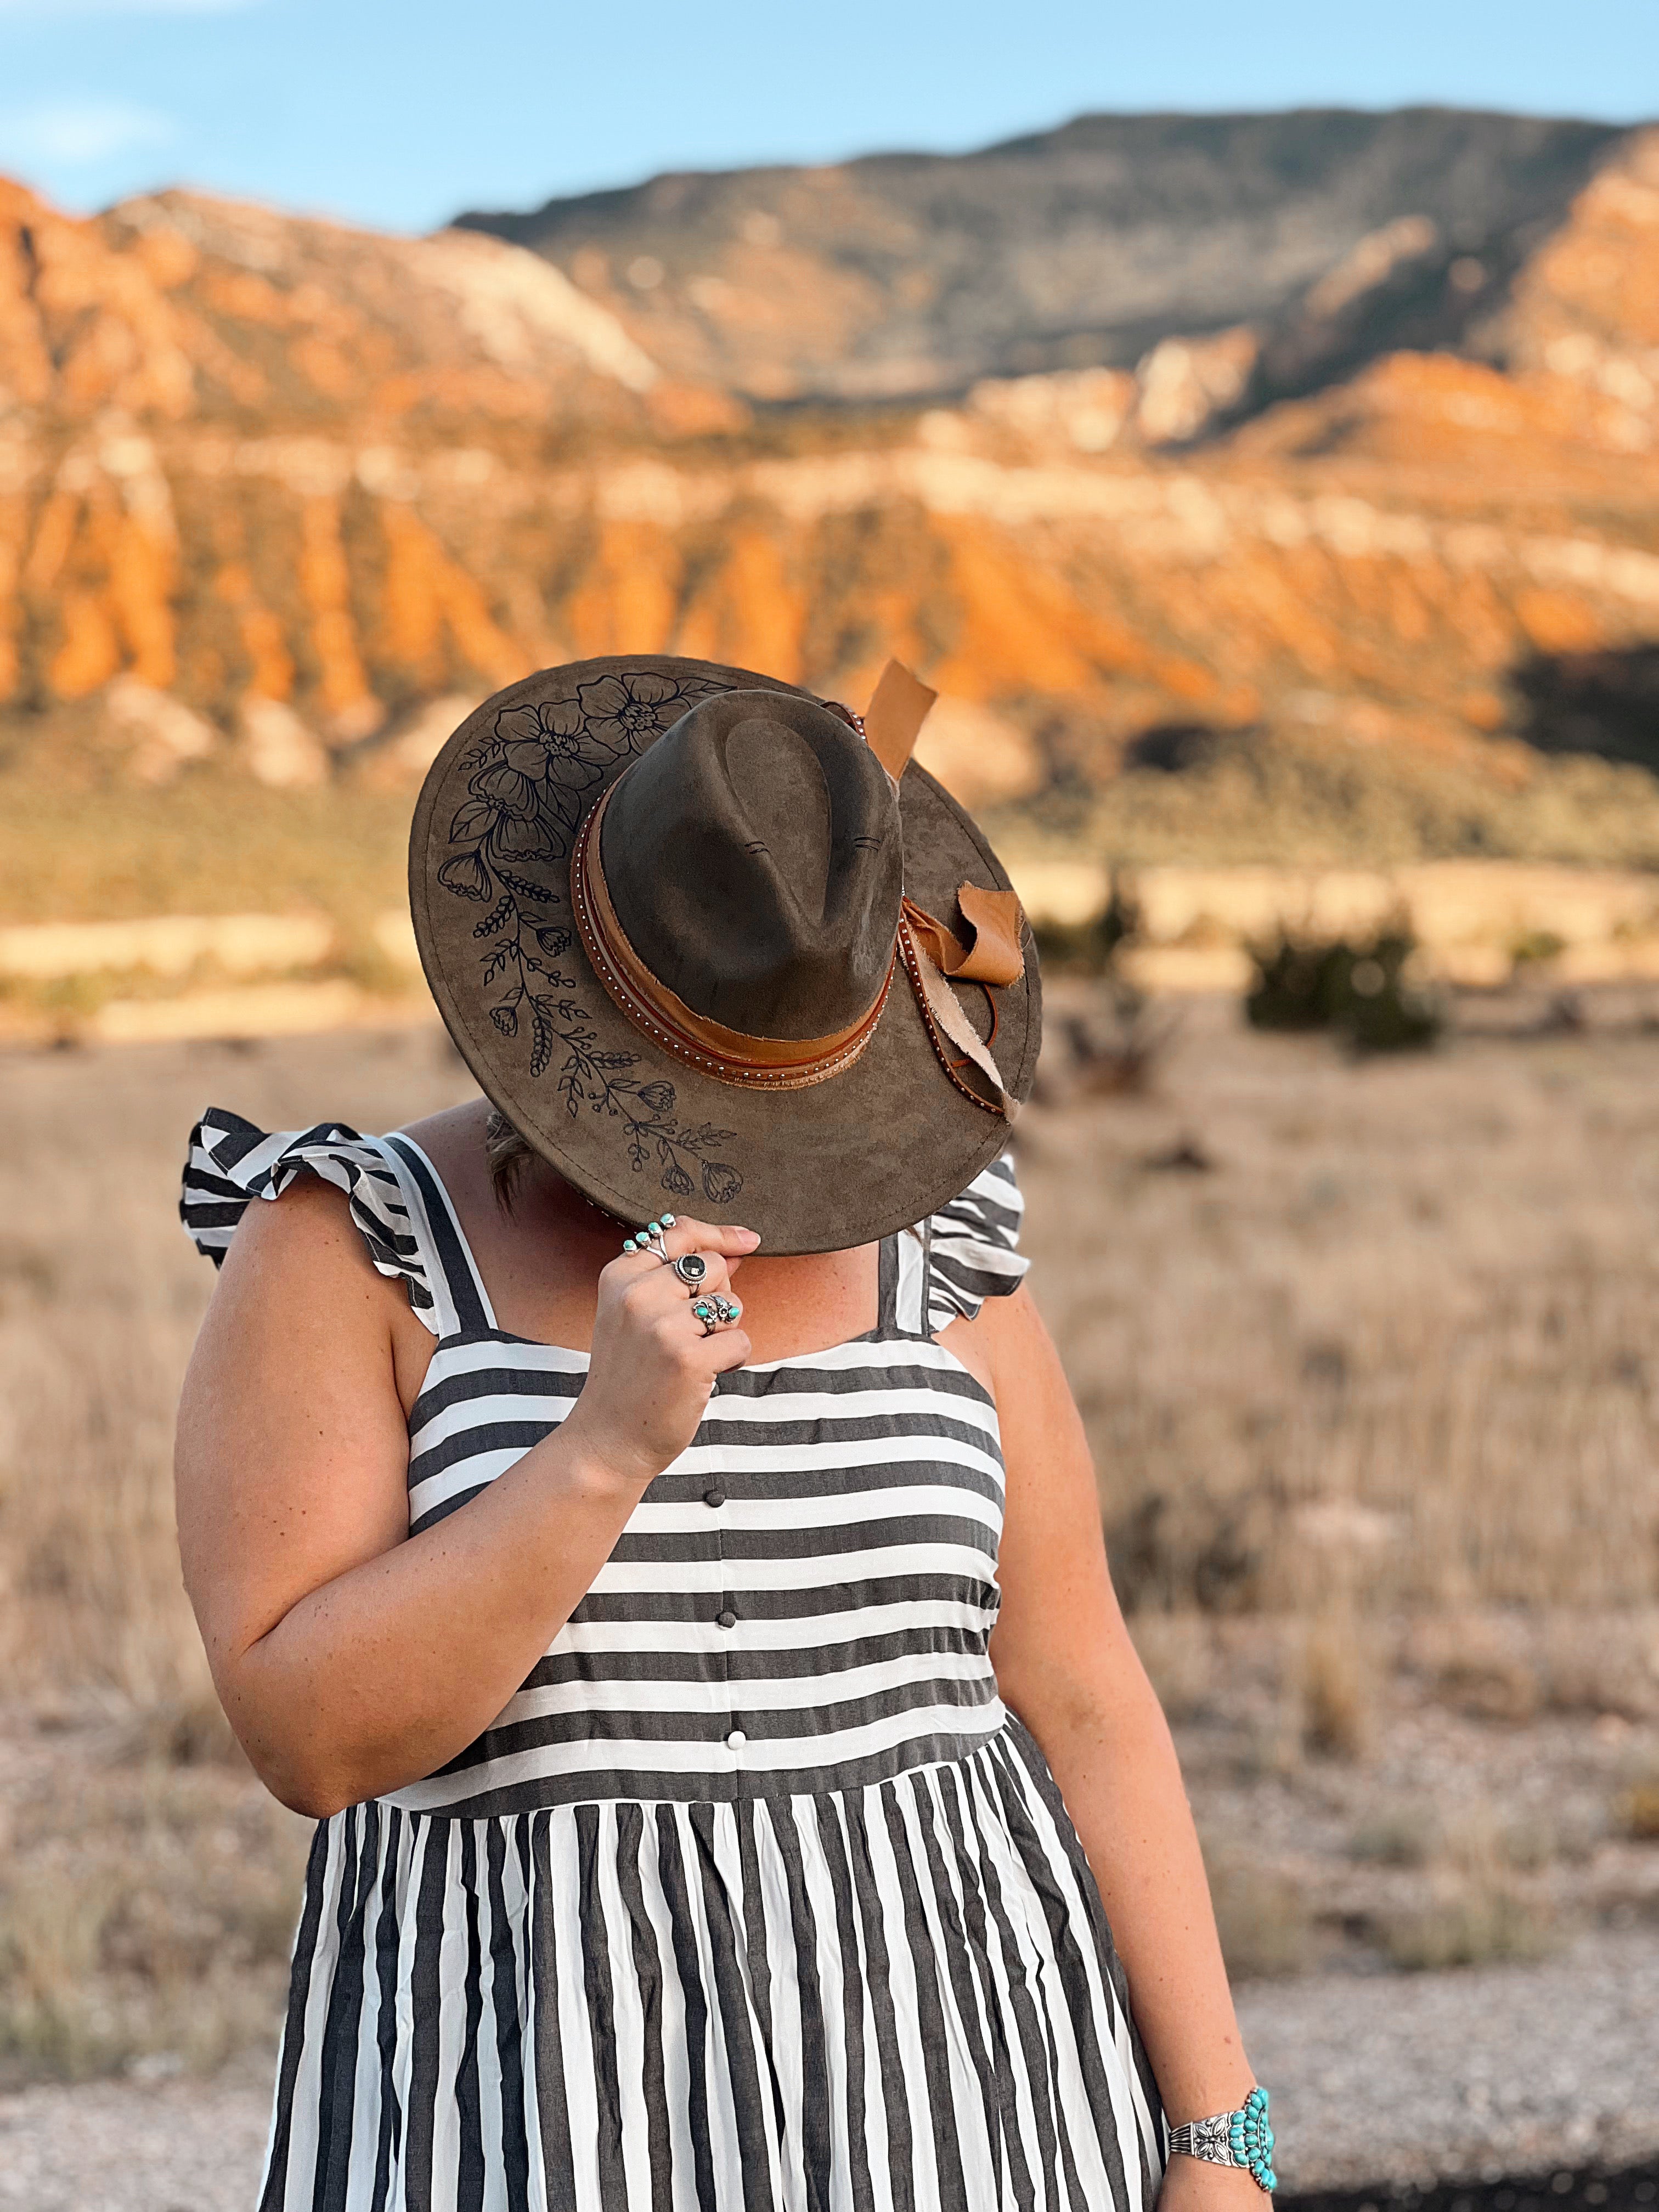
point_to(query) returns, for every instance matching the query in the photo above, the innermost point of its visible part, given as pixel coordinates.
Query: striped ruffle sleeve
(231, 1163)
(974, 1247)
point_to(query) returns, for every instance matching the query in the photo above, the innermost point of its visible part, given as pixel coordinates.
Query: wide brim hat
(605, 1033)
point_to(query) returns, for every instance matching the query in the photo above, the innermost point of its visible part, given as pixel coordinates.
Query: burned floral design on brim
(529, 782)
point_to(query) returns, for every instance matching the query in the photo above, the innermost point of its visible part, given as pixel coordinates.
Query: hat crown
(754, 857)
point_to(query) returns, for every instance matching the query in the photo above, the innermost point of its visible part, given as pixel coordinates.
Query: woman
(687, 1685)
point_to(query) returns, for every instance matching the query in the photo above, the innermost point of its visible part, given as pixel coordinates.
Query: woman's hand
(653, 1364)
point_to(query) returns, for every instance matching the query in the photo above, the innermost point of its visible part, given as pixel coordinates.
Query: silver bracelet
(1241, 2138)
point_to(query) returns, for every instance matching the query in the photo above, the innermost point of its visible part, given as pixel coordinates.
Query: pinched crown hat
(714, 944)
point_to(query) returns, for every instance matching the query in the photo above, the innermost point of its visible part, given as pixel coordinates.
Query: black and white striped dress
(755, 1895)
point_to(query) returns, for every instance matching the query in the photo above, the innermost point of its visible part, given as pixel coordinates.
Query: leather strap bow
(994, 919)
(942, 1015)
(932, 951)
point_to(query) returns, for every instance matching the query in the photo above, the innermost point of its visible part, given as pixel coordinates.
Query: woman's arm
(1065, 1663)
(352, 1658)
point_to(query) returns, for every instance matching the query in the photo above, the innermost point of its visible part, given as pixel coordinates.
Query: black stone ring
(692, 1269)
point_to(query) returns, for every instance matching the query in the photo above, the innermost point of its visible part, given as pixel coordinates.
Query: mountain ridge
(908, 277)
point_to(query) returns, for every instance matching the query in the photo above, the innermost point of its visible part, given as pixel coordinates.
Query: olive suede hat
(705, 954)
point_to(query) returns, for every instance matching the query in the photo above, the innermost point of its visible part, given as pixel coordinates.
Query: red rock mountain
(289, 492)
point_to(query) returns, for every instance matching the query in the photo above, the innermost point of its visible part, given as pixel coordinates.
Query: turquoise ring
(716, 1311)
(649, 1239)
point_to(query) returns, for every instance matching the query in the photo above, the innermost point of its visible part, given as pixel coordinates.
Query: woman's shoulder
(231, 1163)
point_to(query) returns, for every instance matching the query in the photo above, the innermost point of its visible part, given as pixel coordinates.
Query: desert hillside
(278, 500)
(911, 275)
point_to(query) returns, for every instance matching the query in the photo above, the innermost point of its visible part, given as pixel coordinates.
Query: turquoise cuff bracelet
(1241, 2138)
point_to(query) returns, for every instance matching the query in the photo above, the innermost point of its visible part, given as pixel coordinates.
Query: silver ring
(650, 1239)
(716, 1311)
(692, 1269)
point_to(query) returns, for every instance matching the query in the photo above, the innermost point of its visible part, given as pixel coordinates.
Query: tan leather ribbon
(892, 720)
(942, 1015)
(995, 955)
(932, 953)
(932, 949)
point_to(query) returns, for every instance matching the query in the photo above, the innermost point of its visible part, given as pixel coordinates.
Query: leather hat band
(928, 949)
(756, 1063)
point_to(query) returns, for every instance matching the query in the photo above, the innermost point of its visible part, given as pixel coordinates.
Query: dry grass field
(1368, 1356)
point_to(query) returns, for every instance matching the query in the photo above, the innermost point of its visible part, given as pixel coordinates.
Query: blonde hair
(508, 1155)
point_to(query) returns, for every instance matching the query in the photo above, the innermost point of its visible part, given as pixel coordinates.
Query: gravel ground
(1507, 2070)
(1475, 2075)
(118, 2147)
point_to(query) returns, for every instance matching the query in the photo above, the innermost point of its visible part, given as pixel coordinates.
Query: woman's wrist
(1194, 2181)
(602, 1466)
(1206, 2100)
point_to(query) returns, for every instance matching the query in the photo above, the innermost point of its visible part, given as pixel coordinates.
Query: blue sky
(399, 113)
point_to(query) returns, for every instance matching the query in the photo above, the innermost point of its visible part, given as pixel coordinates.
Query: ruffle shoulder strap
(231, 1163)
(974, 1247)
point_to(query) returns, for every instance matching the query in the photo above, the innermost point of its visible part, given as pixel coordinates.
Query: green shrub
(1536, 945)
(1089, 948)
(1358, 991)
(1476, 1922)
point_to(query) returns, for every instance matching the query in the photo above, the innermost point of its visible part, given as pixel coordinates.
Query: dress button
(736, 1741)
(727, 1619)
(713, 1498)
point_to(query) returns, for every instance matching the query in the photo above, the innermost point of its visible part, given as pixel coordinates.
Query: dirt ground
(1503, 2070)
(1366, 1355)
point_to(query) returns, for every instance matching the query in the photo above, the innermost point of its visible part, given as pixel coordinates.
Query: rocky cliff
(280, 494)
(1335, 235)
(208, 415)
